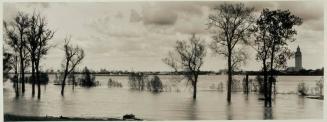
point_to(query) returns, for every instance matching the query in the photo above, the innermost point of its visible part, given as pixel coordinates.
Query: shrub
(43, 77)
(137, 81)
(88, 80)
(236, 85)
(302, 89)
(319, 89)
(113, 83)
(220, 87)
(155, 84)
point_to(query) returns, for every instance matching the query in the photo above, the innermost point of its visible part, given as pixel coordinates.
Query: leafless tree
(73, 56)
(45, 35)
(33, 37)
(188, 57)
(16, 34)
(232, 23)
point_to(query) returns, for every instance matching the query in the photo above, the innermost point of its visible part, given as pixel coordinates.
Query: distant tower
(298, 59)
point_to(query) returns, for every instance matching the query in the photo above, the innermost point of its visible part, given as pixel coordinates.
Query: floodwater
(175, 104)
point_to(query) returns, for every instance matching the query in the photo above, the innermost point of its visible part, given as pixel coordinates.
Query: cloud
(134, 16)
(158, 16)
(133, 34)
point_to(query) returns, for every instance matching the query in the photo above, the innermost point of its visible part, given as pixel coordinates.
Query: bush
(302, 89)
(88, 80)
(137, 81)
(43, 77)
(155, 84)
(260, 84)
(220, 87)
(113, 83)
(236, 85)
(319, 89)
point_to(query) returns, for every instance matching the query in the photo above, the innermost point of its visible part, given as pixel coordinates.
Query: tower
(298, 59)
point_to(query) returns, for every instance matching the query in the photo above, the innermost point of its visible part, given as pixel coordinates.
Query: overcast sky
(138, 35)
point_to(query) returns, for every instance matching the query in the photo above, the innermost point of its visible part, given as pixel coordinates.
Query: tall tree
(262, 46)
(276, 29)
(73, 56)
(34, 35)
(188, 56)
(233, 22)
(43, 46)
(16, 34)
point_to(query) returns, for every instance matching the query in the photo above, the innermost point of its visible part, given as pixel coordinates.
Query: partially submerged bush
(140, 81)
(43, 77)
(236, 85)
(88, 80)
(220, 87)
(113, 83)
(319, 88)
(155, 84)
(260, 84)
(302, 89)
(137, 81)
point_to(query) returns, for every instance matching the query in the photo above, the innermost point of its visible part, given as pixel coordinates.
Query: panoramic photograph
(163, 60)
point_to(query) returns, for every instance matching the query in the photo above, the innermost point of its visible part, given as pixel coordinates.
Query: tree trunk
(16, 77)
(38, 80)
(246, 89)
(63, 83)
(22, 74)
(229, 83)
(265, 75)
(64, 79)
(33, 78)
(73, 80)
(271, 75)
(194, 86)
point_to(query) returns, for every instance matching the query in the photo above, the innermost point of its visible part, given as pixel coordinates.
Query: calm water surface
(177, 104)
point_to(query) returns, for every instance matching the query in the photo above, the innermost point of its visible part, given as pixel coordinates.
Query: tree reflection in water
(268, 113)
(193, 112)
(229, 111)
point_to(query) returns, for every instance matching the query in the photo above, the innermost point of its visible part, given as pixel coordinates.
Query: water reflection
(268, 113)
(106, 102)
(192, 112)
(229, 111)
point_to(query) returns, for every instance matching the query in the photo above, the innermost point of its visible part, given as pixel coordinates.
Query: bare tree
(232, 22)
(73, 56)
(33, 37)
(188, 56)
(45, 35)
(16, 34)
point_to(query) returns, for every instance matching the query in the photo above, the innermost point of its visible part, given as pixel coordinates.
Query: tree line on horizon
(233, 26)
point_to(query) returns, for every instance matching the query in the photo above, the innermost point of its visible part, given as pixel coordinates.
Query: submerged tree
(73, 56)
(232, 22)
(276, 29)
(42, 46)
(16, 34)
(188, 57)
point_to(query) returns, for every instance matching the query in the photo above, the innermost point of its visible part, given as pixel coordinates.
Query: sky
(138, 35)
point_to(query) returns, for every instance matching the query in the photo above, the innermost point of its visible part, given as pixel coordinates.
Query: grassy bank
(11, 117)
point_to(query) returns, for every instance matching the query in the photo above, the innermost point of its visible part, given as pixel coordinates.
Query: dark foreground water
(177, 104)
